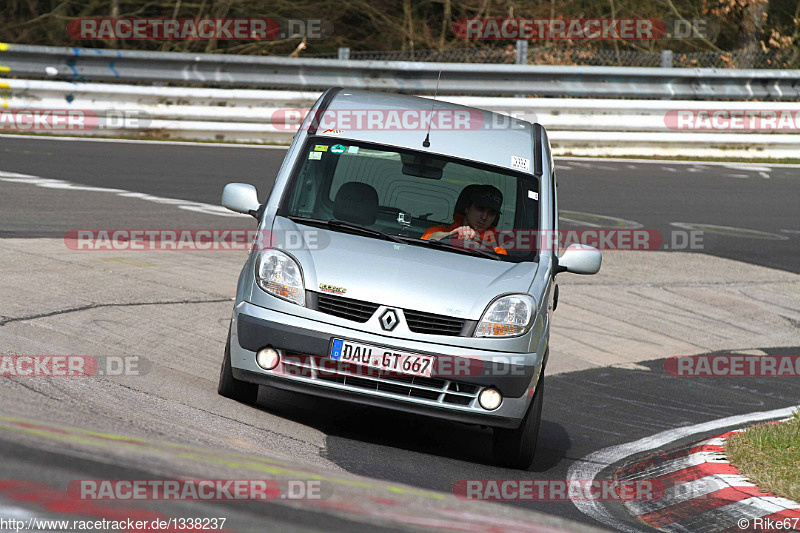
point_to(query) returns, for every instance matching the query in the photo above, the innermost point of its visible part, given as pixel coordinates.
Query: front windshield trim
(531, 180)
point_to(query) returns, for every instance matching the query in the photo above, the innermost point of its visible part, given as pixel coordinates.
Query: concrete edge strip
(715, 502)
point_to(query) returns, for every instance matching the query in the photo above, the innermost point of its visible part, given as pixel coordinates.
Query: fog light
(268, 358)
(490, 399)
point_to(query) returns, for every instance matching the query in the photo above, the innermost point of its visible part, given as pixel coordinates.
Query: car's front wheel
(233, 388)
(515, 448)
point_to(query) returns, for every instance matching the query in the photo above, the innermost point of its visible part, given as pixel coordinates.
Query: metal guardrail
(575, 126)
(82, 64)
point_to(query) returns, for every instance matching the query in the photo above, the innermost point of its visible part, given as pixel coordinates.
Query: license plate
(382, 358)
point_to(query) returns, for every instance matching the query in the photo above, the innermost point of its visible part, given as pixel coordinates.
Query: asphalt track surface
(584, 411)
(656, 195)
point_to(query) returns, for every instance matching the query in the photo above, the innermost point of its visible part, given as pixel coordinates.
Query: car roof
(457, 131)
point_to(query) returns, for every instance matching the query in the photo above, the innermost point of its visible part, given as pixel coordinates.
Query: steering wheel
(482, 242)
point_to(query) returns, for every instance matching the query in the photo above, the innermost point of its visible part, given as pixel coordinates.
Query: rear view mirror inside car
(422, 167)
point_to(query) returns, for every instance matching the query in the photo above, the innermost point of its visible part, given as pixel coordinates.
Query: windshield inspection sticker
(521, 163)
(533, 195)
(352, 149)
(321, 148)
(315, 155)
(337, 149)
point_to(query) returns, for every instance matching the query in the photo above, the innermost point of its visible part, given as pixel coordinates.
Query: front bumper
(447, 394)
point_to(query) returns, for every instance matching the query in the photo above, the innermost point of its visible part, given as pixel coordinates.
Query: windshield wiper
(346, 225)
(442, 243)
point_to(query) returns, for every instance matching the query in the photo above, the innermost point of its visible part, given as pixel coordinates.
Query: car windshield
(412, 197)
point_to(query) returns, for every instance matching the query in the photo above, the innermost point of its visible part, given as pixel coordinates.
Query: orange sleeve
(431, 231)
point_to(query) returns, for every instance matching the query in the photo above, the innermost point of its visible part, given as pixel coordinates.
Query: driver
(482, 208)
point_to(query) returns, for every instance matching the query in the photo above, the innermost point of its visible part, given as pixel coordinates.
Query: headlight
(280, 275)
(507, 316)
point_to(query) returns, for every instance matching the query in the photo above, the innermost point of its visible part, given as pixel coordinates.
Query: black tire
(515, 448)
(233, 388)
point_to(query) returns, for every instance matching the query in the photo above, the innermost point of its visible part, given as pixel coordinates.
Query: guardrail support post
(666, 58)
(522, 53)
(344, 53)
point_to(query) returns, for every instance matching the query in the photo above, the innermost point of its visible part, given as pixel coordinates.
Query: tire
(233, 388)
(515, 448)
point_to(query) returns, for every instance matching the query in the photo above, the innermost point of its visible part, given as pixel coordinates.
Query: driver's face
(479, 218)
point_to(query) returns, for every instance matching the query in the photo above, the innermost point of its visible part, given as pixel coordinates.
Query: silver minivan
(406, 259)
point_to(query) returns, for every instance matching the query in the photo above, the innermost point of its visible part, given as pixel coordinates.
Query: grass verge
(769, 456)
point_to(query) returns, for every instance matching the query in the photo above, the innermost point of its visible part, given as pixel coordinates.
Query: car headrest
(357, 203)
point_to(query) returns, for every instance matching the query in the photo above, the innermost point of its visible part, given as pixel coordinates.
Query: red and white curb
(703, 492)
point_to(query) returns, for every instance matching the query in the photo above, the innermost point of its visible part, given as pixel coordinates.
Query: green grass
(769, 456)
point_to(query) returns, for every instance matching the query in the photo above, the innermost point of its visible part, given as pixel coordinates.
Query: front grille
(420, 322)
(361, 311)
(320, 368)
(347, 308)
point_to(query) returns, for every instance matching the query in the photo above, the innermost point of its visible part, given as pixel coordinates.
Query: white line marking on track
(752, 167)
(12, 511)
(729, 231)
(188, 205)
(741, 165)
(130, 141)
(591, 465)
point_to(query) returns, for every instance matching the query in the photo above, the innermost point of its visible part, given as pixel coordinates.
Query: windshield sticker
(533, 195)
(321, 148)
(332, 288)
(315, 155)
(337, 149)
(521, 163)
(332, 132)
(352, 149)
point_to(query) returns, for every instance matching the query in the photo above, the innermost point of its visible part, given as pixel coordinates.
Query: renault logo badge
(389, 320)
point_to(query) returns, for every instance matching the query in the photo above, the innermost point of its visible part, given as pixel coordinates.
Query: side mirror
(580, 259)
(241, 198)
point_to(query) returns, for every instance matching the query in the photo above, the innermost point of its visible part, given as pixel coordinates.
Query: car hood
(402, 275)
